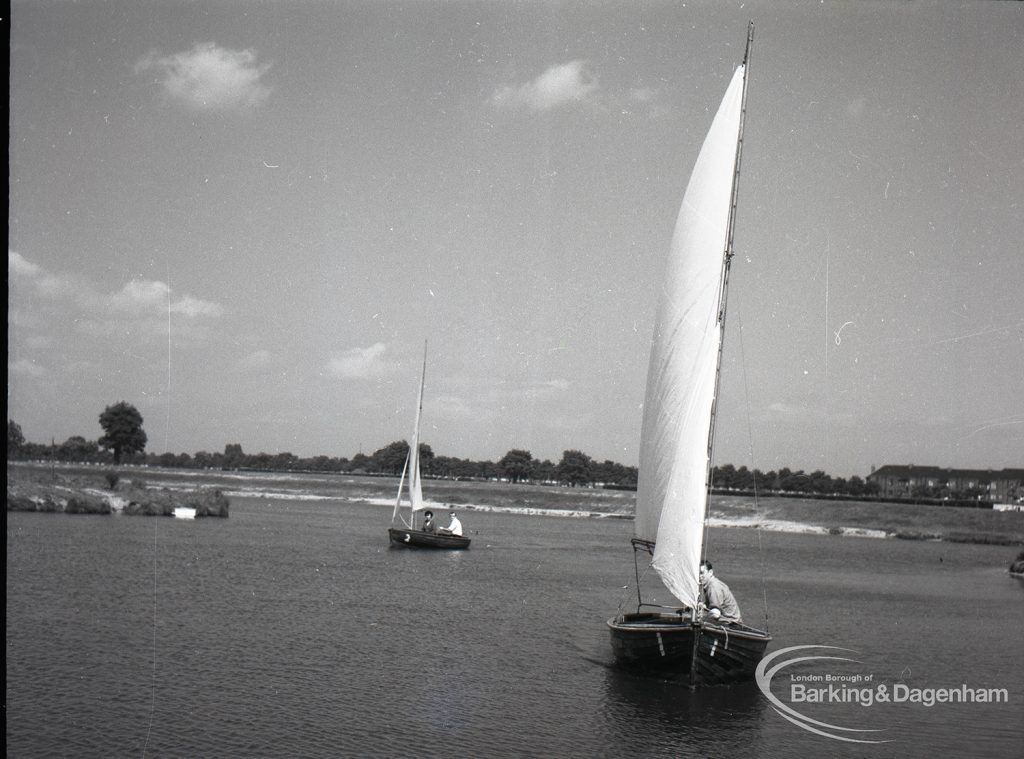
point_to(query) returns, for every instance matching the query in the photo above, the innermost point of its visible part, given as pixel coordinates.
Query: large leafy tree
(234, 456)
(391, 458)
(575, 468)
(122, 428)
(15, 437)
(517, 465)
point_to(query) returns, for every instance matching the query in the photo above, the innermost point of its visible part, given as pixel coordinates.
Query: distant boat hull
(420, 539)
(662, 645)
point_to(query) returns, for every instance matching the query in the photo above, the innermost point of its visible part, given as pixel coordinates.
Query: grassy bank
(898, 520)
(78, 491)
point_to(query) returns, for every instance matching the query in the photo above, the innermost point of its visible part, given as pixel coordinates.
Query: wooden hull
(420, 539)
(662, 645)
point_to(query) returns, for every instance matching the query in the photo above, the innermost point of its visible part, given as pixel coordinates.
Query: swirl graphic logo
(764, 676)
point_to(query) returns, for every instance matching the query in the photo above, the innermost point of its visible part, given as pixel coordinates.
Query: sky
(247, 219)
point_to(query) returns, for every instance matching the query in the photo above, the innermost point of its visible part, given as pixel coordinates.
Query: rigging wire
(639, 578)
(750, 444)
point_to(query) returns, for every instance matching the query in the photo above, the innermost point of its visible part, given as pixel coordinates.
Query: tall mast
(727, 257)
(722, 297)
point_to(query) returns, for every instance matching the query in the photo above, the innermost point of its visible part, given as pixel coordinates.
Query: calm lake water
(292, 629)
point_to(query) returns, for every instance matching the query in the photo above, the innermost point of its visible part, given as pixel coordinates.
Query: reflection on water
(655, 717)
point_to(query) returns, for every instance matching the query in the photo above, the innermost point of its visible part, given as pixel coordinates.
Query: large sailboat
(403, 530)
(682, 641)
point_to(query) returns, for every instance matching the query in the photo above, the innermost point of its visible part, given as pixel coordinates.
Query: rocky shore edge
(128, 498)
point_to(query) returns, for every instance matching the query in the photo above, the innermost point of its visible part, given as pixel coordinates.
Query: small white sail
(672, 488)
(411, 471)
(415, 483)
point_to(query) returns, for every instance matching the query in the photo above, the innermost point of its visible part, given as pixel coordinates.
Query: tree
(517, 465)
(391, 458)
(122, 428)
(77, 448)
(15, 439)
(575, 468)
(234, 456)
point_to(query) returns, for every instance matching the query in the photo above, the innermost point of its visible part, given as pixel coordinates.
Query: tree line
(124, 442)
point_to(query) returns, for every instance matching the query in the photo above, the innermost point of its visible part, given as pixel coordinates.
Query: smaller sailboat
(677, 437)
(403, 531)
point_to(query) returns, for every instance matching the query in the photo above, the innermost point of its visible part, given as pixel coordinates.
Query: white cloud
(137, 296)
(193, 307)
(542, 390)
(358, 363)
(209, 77)
(140, 297)
(560, 85)
(26, 368)
(144, 296)
(18, 265)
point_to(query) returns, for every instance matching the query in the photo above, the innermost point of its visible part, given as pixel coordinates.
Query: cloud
(26, 368)
(360, 363)
(560, 85)
(20, 268)
(18, 265)
(209, 77)
(144, 296)
(542, 390)
(138, 298)
(193, 307)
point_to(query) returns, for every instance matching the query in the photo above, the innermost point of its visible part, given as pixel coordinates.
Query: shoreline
(174, 488)
(85, 495)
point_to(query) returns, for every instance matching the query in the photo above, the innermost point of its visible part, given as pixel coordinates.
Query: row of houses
(998, 486)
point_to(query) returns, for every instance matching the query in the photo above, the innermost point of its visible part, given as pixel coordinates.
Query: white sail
(415, 486)
(672, 488)
(411, 470)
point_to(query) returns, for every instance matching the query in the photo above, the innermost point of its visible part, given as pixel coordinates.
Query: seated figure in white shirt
(454, 527)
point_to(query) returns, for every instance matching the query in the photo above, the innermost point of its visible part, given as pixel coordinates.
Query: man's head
(705, 571)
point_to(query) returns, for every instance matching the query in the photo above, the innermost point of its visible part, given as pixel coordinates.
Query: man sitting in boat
(454, 527)
(428, 522)
(721, 603)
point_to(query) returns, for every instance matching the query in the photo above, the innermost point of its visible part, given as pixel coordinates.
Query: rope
(750, 443)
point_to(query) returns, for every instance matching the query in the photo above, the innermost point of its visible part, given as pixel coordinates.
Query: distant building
(899, 481)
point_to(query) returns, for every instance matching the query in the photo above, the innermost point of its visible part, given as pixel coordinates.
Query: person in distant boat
(454, 527)
(721, 603)
(428, 522)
